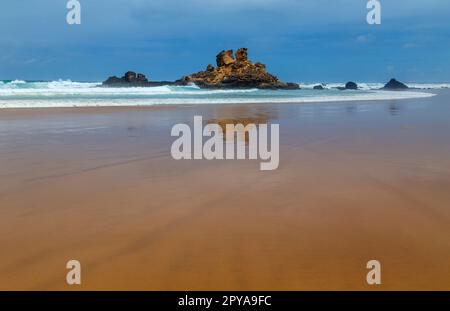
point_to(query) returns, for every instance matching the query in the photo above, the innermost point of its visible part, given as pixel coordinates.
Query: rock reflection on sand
(241, 115)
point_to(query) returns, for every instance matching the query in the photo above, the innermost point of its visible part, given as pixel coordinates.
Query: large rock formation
(237, 72)
(395, 85)
(232, 71)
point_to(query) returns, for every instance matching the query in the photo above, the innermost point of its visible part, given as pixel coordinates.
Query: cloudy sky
(299, 40)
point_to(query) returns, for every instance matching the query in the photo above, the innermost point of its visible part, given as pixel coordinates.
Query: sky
(298, 40)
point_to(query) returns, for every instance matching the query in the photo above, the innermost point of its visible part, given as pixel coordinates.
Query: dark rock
(141, 77)
(113, 80)
(351, 86)
(210, 68)
(236, 73)
(130, 76)
(292, 86)
(395, 85)
(318, 87)
(129, 79)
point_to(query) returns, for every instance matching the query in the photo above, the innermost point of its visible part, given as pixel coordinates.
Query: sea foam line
(115, 102)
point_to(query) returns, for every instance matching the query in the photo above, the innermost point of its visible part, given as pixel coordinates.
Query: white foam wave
(331, 86)
(429, 86)
(68, 84)
(60, 89)
(369, 96)
(376, 86)
(23, 86)
(18, 82)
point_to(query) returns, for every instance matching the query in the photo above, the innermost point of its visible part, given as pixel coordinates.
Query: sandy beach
(357, 181)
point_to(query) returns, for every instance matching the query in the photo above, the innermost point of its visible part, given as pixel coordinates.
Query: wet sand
(357, 181)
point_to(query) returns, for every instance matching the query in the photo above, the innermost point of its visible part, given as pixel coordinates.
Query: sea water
(38, 94)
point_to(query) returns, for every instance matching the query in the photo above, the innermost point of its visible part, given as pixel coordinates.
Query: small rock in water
(130, 78)
(395, 85)
(351, 86)
(318, 87)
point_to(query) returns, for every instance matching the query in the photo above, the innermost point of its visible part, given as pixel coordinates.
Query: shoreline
(364, 96)
(99, 109)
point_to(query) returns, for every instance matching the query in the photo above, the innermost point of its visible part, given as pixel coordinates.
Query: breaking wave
(377, 86)
(66, 93)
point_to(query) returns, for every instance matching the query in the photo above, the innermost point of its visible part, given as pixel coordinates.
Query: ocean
(66, 93)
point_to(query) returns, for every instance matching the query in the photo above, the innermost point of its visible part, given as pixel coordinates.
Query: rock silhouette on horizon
(132, 79)
(128, 78)
(348, 86)
(351, 86)
(395, 85)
